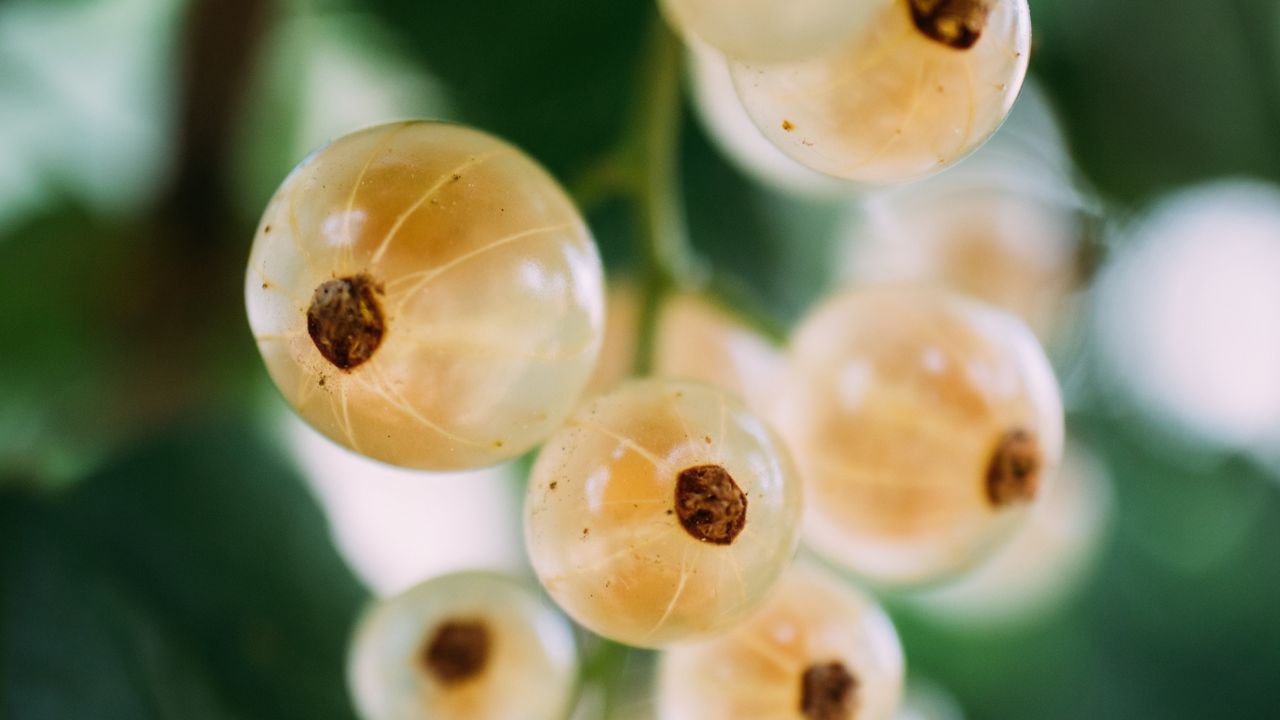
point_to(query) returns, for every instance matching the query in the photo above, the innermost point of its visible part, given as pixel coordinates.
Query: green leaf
(193, 577)
(77, 644)
(1156, 95)
(555, 77)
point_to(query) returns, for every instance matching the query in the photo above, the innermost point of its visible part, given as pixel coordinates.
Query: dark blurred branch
(220, 45)
(183, 314)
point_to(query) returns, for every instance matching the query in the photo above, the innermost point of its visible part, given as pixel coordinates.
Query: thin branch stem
(651, 158)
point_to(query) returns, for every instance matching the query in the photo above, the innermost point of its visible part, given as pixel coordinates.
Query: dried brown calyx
(457, 651)
(954, 23)
(828, 691)
(345, 320)
(710, 505)
(1013, 474)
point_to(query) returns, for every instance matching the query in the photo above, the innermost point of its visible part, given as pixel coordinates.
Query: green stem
(650, 155)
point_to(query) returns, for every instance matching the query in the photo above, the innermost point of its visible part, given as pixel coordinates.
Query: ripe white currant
(1003, 246)
(924, 425)
(697, 339)
(621, 337)
(661, 511)
(926, 83)
(427, 295)
(716, 103)
(770, 30)
(1043, 564)
(467, 646)
(816, 650)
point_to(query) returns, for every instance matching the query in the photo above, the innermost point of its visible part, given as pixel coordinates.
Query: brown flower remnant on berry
(828, 691)
(1014, 472)
(458, 651)
(954, 23)
(788, 125)
(345, 320)
(710, 505)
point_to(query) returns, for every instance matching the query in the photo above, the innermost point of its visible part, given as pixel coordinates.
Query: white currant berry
(698, 339)
(1003, 246)
(716, 102)
(816, 650)
(661, 511)
(924, 85)
(771, 30)
(467, 646)
(621, 337)
(427, 295)
(925, 426)
(1043, 564)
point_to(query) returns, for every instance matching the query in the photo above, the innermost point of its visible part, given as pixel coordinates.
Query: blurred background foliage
(161, 555)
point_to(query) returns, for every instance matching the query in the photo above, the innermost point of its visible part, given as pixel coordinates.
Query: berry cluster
(428, 296)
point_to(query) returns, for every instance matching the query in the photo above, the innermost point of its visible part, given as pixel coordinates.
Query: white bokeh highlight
(1187, 316)
(397, 527)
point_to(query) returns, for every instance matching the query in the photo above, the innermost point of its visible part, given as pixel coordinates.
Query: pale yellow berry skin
(491, 290)
(1012, 250)
(621, 338)
(600, 524)
(528, 674)
(770, 30)
(697, 339)
(1045, 564)
(754, 672)
(891, 104)
(894, 405)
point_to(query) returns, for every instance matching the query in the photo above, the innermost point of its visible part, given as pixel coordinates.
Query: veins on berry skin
(710, 505)
(345, 320)
(828, 691)
(1013, 475)
(955, 23)
(457, 651)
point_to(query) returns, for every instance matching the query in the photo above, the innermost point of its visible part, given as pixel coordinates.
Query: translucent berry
(816, 650)
(621, 337)
(925, 427)
(716, 102)
(925, 84)
(698, 339)
(1042, 564)
(771, 30)
(467, 646)
(1006, 247)
(426, 295)
(661, 511)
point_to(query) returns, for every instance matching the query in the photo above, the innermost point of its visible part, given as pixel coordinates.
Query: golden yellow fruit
(924, 85)
(426, 295)
(925, 426)
(661, 511)
(816, 650)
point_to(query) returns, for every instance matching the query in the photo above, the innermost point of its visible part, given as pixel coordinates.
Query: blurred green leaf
(554, 77)
(193, 577)
(1155, 95)
(77, 644)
